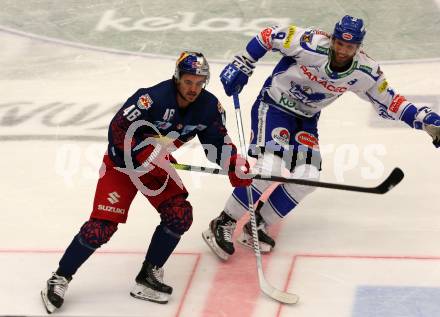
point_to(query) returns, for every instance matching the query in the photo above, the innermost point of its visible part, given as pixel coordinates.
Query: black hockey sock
(162, 244)
(74, 256)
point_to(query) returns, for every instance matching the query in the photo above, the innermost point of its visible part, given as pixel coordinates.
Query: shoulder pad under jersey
(315, 40)
(369, 66)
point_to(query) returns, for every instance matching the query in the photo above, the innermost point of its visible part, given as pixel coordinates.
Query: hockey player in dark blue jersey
(149, 126)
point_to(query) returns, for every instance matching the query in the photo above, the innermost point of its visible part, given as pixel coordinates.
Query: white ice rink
(345, 254)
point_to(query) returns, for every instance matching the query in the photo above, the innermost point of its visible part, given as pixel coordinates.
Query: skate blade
(50, 308)
(212, 244)
(247, 241)
(140, 291)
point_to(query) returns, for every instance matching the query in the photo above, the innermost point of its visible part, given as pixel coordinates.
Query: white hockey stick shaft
(266, 288)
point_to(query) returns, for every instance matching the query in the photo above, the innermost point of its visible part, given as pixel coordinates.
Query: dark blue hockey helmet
(191, 63)
(350, 29)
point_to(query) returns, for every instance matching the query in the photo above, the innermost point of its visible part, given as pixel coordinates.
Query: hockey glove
(236, 74)
(238, 166)
(431, 124)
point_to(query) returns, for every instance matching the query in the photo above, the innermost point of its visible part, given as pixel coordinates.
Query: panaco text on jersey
(324, 83)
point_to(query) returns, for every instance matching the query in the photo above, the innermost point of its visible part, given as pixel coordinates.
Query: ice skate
(53, 293)
(266, 241)
(150, 286)
(219, 236)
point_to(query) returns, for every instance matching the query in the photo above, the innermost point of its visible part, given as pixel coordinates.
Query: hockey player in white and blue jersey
(315, 69)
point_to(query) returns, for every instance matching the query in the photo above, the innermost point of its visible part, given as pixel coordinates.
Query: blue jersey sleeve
(215, 140)
(124, 122)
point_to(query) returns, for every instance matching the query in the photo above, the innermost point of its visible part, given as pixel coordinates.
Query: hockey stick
(389, 183)
(266, 288)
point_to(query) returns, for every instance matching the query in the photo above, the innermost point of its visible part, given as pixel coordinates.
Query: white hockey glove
(431, 124)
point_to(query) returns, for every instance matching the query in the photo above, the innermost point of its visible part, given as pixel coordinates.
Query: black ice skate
(53, 294)
(266, 241)
(150, 286)
(219, 236)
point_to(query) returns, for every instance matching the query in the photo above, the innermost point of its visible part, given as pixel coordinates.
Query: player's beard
(188, 98)
(341, 64)
(184, 97)
(191, 97)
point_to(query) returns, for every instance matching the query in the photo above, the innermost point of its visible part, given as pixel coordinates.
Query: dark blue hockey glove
(236, 74)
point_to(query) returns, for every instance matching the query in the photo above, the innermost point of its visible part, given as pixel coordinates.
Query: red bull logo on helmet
(182, 56)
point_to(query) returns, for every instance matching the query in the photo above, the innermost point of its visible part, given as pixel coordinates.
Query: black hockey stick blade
(389, 183)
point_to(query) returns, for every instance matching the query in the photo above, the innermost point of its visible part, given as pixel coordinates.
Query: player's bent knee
(96, 232)
(176, 214)
(307, 172)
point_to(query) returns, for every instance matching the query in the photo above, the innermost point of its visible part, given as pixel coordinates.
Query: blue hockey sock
(162, 244)
(74, 256)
